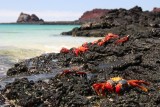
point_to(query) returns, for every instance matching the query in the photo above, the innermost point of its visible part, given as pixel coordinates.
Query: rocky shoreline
(119, 21)
(137, 57)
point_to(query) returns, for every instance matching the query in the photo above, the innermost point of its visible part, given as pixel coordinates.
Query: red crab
(76, 73)
(122, 40)
(64, 50)
(85, 44)
(117, 85)
(110, 36)
(107, 38)
(79, 50)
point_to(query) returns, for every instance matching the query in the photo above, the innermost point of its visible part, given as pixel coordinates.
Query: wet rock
(2, 100)
(42, 64)
(59, 91)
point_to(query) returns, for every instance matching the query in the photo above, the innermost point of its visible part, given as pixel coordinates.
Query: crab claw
(76, 51)
(122, 84)
(97, 87)
(137, 83)
(118, 88)
(101, 88)
(108, 87)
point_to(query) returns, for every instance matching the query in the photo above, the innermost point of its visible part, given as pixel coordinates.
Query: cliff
(156, 9)
(26, 18)
(93, 15)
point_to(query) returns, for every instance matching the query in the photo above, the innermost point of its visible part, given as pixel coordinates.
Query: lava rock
(113, 20)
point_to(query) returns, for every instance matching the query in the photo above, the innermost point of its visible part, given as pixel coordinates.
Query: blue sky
(52, 10)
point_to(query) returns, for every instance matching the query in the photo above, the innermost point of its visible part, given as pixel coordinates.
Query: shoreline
(45, 23)
(97, 63)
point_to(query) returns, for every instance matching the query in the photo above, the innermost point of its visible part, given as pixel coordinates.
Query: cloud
(12, 15)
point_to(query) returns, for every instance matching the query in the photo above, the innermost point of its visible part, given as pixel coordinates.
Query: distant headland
(95, 15)
(25, 18)
(34, 19)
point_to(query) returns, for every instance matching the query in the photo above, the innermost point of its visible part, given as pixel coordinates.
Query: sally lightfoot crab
(118, 85)
(79, 50)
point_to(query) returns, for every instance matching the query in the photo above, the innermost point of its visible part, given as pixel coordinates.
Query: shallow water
(45, 77)
(19, 42)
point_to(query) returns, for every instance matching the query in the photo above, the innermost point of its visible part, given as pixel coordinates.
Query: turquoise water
(31, 36)
(19, 42)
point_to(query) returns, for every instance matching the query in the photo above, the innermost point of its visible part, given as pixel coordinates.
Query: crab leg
(83, 74)
(97, 87)
(122, 40)
(136, 83)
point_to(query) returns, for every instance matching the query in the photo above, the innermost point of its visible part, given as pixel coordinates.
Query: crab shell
(119, 84)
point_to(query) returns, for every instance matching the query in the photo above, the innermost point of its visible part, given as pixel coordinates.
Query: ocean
(20, 42)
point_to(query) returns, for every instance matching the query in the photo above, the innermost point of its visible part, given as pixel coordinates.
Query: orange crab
(122, 40)
(110, 36)
(107, 38)
(117, 85)
(79, 50)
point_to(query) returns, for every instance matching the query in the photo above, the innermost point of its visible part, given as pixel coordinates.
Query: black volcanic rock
(116, 20)
(26, 18)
